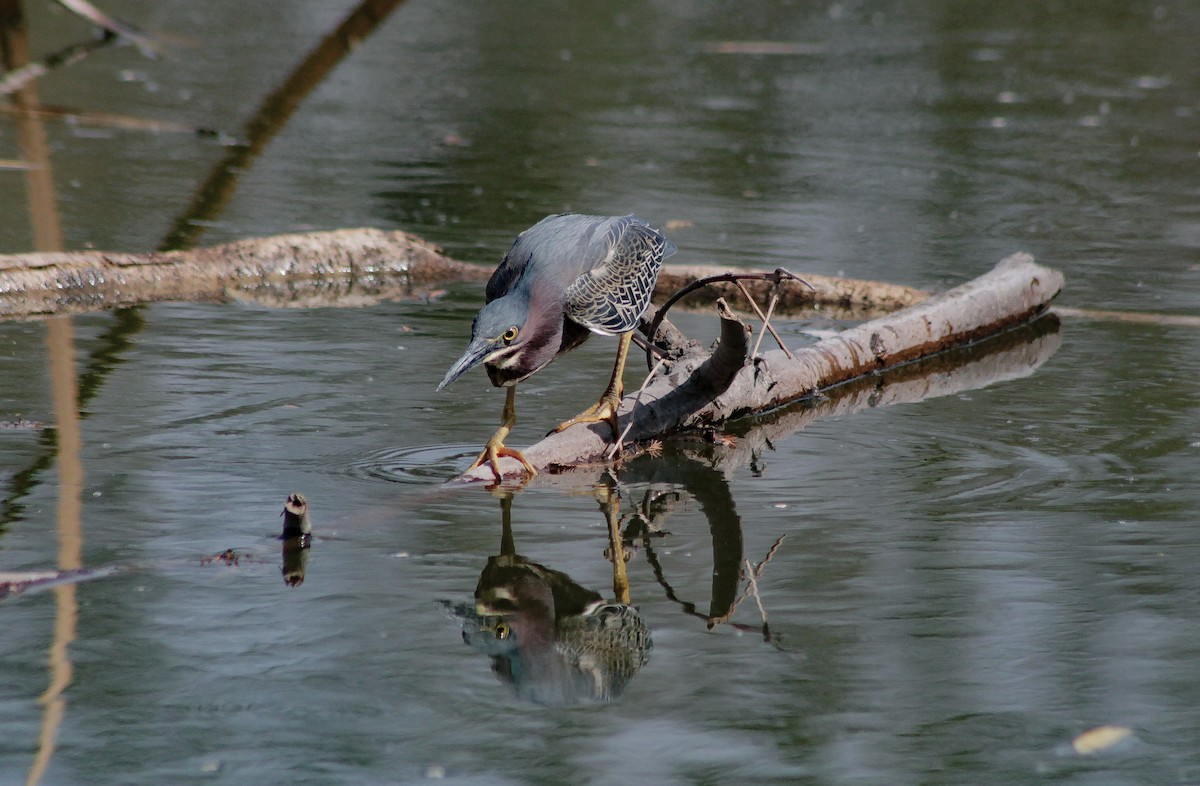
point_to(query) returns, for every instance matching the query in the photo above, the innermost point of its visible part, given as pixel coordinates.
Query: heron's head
(502, 336)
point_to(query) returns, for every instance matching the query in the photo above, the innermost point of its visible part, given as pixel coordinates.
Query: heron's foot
(493, 451)
(603, 411)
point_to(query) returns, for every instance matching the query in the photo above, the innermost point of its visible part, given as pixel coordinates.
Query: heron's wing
(510, 269)
(551, 253)
(612, 292)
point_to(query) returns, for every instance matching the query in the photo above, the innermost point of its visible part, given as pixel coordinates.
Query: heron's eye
(510, 335)
(502, 631)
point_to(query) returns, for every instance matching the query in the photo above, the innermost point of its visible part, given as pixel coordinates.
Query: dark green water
(964, 583)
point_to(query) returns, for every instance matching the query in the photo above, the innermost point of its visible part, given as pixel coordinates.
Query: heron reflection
(554, 641)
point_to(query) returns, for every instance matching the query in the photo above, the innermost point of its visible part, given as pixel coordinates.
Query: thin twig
(620, 440)
(18, 78)
(689, 608)
(755, 574)
(109, 120)
(766, 320)
(753, 587)
(767, 324)
(111, 25)
(777, 276)
(758, 569)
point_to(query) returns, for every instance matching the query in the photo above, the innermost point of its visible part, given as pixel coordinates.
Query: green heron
(564, 278)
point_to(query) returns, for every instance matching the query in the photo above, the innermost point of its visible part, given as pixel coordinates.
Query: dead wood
(345, 267)
(85, 117)
(865, 298)
(701, 390)
(1012, 355)
(1136, 317)
(319, 268)
(362, 266)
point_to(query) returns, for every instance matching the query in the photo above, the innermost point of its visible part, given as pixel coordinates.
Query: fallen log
(317, 268)
(362, 266)
(345, 267)
(703, 389)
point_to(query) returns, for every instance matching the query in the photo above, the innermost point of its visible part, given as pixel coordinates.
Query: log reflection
(670, 482)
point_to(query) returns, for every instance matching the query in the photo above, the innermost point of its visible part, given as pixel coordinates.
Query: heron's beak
(477, 350)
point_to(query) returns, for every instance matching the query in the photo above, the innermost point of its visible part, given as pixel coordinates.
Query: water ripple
(421, 464)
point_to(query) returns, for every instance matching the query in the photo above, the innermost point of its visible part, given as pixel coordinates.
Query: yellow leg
(495, 447)
(606, 408)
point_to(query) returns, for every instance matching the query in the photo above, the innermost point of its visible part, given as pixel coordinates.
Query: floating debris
(1100, 739)
(21, 424)
(228, 556)
(16, 583)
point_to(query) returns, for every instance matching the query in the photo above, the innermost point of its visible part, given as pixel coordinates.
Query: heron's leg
(606, 408)
(495, 447)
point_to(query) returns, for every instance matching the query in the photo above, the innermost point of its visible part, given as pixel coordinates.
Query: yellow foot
(492, 453)
(603, 411)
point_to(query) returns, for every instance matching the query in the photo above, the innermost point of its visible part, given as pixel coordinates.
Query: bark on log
(346, 267)
(698, 391)
(360, 266)
(864, 298)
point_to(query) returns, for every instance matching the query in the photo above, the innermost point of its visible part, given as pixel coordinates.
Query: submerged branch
(112, 25)
(19, 78)
(85, 117)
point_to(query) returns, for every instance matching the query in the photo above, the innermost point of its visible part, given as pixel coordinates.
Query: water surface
(964, 584)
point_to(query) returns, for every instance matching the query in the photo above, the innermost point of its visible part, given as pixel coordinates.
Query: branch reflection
(682, 474)
(556, 642)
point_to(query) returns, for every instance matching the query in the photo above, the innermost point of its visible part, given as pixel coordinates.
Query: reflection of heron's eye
(510, 335)
(502, 631)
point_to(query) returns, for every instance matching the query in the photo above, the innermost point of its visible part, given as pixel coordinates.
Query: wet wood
(828, 292)
(346, 267)
(1136, 317)
(342, 267)
(95, 119)
(697, 393)
(700, 389)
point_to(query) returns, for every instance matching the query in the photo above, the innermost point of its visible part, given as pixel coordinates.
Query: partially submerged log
(345, 267)
(703, 389)
(700, 389)
(862, 298)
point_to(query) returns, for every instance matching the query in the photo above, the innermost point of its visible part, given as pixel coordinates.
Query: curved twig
(777, 276)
